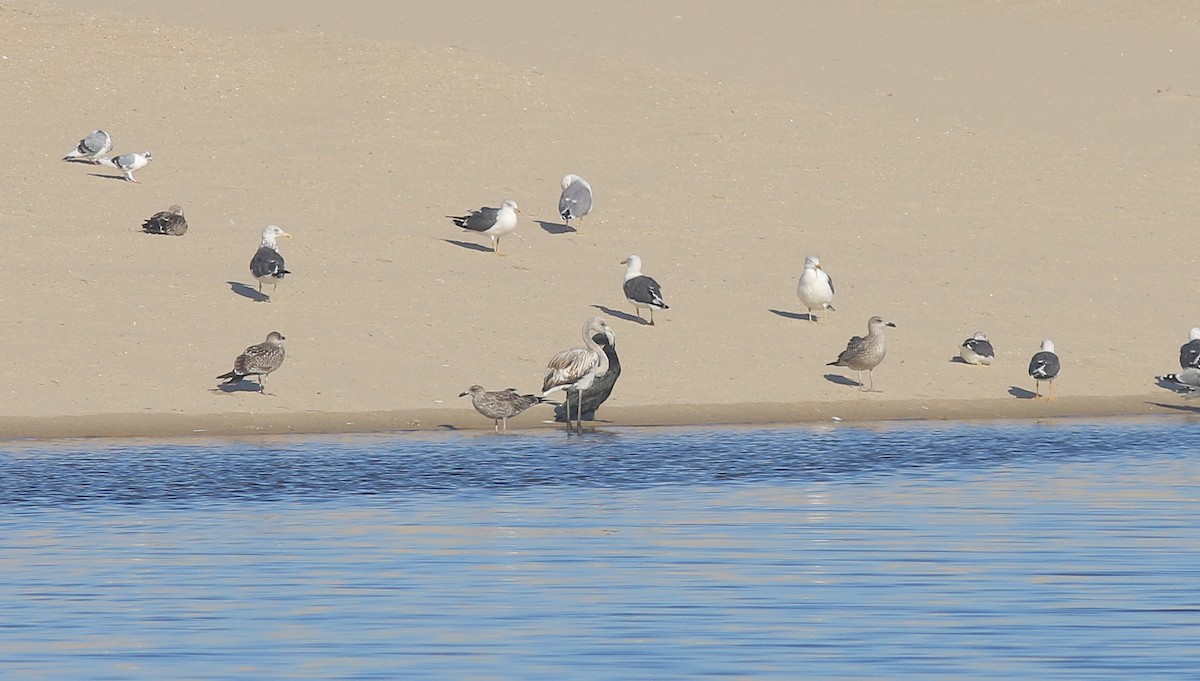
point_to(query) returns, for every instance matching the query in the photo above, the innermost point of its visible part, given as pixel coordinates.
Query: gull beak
(518, 210)
(286, 234)
(891, 325)
(609, 334)
(624, 262)
(464, 394)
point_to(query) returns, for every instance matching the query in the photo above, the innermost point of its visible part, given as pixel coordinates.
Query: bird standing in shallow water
(586, 402)
(1044, 366)
(640, 290)
(575, 202)
(500, 405)
(267, 263)
(977, 349)
(574, 369)
(864, 353)
(492, 222)
(815, 288)
(258, 360)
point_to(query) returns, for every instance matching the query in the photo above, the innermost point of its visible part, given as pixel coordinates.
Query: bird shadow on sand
(83, 161)
(248, 292)
(624, 316)
(469, 246)
(957, 359)
(1021, 393)
(1176, 407)
(109, 177)
(239, 387)
(555, 227)
(842, 380)
(793, 315)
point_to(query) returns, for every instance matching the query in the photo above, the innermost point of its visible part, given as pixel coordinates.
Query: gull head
(1047, 345)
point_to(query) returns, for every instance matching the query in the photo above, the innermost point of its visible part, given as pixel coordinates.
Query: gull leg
(1037, 389)
(1050, 391)
(651, 316)
(496, 425)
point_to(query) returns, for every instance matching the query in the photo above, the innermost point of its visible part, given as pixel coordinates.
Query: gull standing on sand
(258, 360)
(586, 402)
(864, 353)
(640, 290)
(1187, 379)
(575, 202)
(128, 163)
(1189, 352)
(91, 148)
(977, 349)
(815, 288)
(492, 222)
(267, 263)
(500, 405)
(169, 221)
(574, 369)
(1044, 366)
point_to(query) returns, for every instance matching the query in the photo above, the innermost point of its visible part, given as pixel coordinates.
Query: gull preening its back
(640, 290)
(864, 353)
(267, 263)
(815, 288)
(169, 221)
(128, 163)
(500, 405)
(1044, 366)
(492, 222)
(91, 148)
(977, 349)
(574, 369)
(575, 202)
(258, 360)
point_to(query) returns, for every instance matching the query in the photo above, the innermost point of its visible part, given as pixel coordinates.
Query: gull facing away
(586, 402)
(575, 202)
(500, 405)
(267, 263)
(864, 353)
(1189, 352)
(574, 370)
(128, 163)
(815, 288)
(169, 221)
(977, 349)
(1187, 380)
(492, 222)
(640, 290)
(91, 148)
(1044, 366)
(257, 360)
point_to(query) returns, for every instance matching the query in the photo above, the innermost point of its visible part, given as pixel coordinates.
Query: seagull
(977, 349)
(494, 222)
(640, 290)
(169, 221)
(865, 353)
(574, 369)
(815, 288)
(1189, 352)
(267, 263)
(258, 360)
(1188, 380)
(91, 148)
(575, 202)
(586, 402)
(1044, 367)
(128, 163)
(500, 405)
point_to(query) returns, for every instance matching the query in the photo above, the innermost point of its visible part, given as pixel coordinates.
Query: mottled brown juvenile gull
(864, 353)
(258, 360)
(500, 405)
(169, 221)
(492, 222)
(1044, 366)
(1189, 352)
(574, 369)
(267, 263)
(128, 163)
(977, 349)
(640, 290)
(586, 402)
(575, 202)
(91, 148)
(815, 288)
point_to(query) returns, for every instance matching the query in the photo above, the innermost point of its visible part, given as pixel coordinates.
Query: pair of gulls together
(92, 149)
(1043, 366)
(574, 203)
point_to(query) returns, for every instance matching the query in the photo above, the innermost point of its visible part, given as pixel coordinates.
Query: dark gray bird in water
(1189, 352)
(267, 263)
(91, 148)
(977, 349)
(864, 353)
(500, 405)
(574, 369)
(1044, 366)
(575, 202)
(640, 290)
(258, 360)
(128, 163)
(601, 388)
(492, 222)
(169, 221)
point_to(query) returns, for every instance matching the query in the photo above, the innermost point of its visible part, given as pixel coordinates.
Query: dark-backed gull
(91, 148)
(640, 290)
(500, 405)
(575, 369)
(258, 360)
(492, 222)
(977, 349)
(815, 288)
(575, 202)
(1044, 366)
(864, 353)
(169, 221)
(1189, 352)
(267, 263)
(128, 163)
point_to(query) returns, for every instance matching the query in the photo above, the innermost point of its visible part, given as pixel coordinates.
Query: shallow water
(1067, 550)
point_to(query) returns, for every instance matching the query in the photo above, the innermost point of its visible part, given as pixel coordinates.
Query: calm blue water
(1049, 551)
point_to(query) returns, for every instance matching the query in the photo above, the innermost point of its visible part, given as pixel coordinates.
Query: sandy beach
(1029, 170)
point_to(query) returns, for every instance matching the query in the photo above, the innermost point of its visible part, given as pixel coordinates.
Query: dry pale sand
(1028, 169)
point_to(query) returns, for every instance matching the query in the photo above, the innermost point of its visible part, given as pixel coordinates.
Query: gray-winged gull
(1044, 366)
(864, 353)
(91, 148)
(267, 263)
(586, 402)
(169, 221)
(574, 369)
(815, 288)
(575, 202)
(1189, 352)
(1187, 379)
(493, 222)
(500, 405)
(977, 349)
(128, 163)
(640, 290)
(258, 360)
